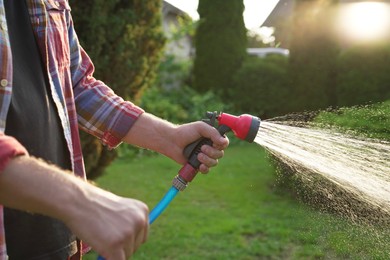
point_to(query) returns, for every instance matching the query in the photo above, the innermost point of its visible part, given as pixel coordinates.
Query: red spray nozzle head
(245, 127)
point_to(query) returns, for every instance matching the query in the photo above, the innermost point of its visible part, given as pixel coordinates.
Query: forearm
(153, 133)
(112, 225)
(32, 185)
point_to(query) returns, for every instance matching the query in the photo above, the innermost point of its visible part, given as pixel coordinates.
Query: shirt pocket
(57, 5)
(58, 16)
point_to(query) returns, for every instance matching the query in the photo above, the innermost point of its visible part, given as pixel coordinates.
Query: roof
(169, 9)
(283, 10)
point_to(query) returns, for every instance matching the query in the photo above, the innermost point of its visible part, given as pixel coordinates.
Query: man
(47, 92)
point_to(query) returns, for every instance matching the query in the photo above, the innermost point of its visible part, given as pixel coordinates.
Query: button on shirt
(80, 99)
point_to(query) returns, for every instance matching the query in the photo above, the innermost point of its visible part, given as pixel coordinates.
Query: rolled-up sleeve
(99, 110)
(9, 148)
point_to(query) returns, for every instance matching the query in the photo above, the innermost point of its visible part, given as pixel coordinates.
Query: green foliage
(185, 27)
(220, 43)
(181, 105)
(235, 213)
(125, 41)
(171, 98)
(369, 120)
(326, 72)
(313, 55)
(261, 86)
(364, 75)
(173, 72)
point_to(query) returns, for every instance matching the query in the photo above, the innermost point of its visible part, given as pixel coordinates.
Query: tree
(221, 44)
(125, 40)
(313, 56)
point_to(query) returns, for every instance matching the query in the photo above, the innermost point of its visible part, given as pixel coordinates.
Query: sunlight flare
(364, 21)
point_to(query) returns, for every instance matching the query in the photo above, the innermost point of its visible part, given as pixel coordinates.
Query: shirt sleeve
(9, 148)
(99, 110)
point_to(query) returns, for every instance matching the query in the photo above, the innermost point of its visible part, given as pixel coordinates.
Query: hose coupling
(179, 183)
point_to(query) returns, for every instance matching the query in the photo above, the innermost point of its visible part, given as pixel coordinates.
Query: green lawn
(369, 121)
(235, 212)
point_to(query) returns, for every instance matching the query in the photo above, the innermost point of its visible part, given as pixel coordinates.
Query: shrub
(260, 86)
(180, 105)
(172, 99)
(313, 55)
(364, 76)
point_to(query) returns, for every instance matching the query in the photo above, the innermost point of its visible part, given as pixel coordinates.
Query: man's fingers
(206, 160)
(212, 152)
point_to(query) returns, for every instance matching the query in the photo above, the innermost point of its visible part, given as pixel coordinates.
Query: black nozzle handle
(192, 150)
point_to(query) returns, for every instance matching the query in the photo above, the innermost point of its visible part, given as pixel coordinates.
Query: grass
(369, 121)
(235, 212)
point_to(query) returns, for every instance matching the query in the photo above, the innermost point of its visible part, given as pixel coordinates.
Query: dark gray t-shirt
(33, 121)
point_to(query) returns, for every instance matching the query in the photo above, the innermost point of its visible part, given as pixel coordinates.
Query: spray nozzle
(245, 127)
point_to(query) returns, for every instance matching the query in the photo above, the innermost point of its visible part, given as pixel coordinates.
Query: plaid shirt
(81, 100)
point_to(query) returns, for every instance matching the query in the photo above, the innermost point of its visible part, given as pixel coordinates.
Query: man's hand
(114, 226)
(161, 136)
(209, 155)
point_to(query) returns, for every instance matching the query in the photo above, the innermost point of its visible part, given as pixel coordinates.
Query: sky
(256, 11)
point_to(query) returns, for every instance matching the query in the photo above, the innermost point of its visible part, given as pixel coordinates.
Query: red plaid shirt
(82, 101)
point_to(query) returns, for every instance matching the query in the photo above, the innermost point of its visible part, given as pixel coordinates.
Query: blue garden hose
(159, 208)
(169, 196)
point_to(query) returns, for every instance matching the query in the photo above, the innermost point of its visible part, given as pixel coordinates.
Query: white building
(180, 47)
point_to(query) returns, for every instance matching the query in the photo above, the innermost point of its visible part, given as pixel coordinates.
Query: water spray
(244, 127)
